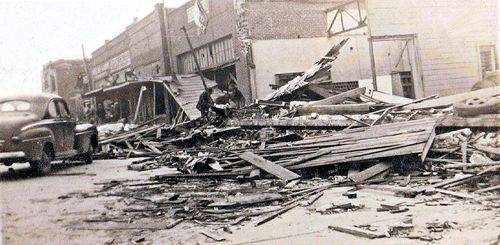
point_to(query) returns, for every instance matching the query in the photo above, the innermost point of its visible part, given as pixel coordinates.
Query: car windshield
(15, 105)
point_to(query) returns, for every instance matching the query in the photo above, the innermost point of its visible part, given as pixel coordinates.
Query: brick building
(141, 48)
(238, 36)
(61, 77)
(419, 53)
(140, 51)
(262, 44)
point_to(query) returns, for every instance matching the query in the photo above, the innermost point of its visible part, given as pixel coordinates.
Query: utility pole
(168, 38)
(165, 52)
(86, 66)
(195, 59)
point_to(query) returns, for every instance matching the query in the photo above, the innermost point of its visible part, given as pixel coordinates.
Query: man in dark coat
(205, 102)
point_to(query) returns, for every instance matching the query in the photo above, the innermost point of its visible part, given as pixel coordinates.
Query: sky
(34, 32)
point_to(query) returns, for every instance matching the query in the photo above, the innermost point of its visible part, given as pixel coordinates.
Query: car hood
(11, 123)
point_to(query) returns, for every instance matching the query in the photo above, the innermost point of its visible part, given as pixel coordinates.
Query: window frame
(492, 49)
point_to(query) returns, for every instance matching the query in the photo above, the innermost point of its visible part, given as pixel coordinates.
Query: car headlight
(16, 139)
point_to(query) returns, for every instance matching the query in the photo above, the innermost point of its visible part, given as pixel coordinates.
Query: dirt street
(33, 213)
(48, 210)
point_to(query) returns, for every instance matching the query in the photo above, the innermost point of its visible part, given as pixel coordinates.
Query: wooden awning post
(139, 100)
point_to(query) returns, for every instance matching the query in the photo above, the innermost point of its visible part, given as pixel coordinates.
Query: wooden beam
(487, 149)
(486, 121)
(371, 171)
(449, 100)
(338, 98)
(319, 90)
(337, 109)
(270, 167)
(276, 214)
(455, 194)
(492, 188)
(356, 231)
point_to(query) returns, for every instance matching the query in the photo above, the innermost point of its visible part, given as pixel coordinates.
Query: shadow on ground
(23, 171)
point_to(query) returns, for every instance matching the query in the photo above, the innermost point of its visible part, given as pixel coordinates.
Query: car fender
(33, 139)
(85, 135)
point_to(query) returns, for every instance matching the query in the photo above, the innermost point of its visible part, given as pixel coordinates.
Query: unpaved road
(33, 212)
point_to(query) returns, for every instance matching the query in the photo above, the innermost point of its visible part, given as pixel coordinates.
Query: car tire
(42, 166)
(477, 106)
(88, 158)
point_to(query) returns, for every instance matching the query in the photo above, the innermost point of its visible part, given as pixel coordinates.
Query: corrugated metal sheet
(187, 90)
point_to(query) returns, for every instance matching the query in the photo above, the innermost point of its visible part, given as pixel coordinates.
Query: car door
(68, 125)
(55, 124)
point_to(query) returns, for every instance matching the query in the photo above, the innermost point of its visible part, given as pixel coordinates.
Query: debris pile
(261, 161)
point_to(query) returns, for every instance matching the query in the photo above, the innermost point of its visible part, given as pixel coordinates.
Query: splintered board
(270, 167)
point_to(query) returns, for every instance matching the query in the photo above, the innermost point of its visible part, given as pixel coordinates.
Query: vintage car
(39, 129)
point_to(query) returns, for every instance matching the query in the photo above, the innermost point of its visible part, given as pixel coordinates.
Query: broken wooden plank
(276, 214)
(454, 193)
(371, 171)
(356, 120)
(487, 149)
(339, 98)
(356, 231)
(452, 180)
(480, 121)
(174, 223)
(324, 93)
(152, 147)
(212, 235)
(492, 188)
(381, 118)
(314, 198)
(270, 167)
(470, 165)
(463, 149)
(428, 145)
(337, 109)
(388, 98)
(234, 201)
(451, 99)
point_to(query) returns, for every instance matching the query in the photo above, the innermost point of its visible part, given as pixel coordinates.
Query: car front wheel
(42, 166)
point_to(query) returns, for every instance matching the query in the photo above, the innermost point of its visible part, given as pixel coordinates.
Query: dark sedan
(39, 129)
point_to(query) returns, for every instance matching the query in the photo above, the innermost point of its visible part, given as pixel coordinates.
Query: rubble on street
(250, 166)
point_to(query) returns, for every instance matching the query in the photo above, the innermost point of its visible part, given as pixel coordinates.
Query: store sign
(112, 65)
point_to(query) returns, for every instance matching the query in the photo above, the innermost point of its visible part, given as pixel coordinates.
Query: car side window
(63, 110)
(52, 110)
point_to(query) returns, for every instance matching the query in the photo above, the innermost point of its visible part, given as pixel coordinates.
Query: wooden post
(372, 55)
(138, 104)
(154, 100)
(195, 59)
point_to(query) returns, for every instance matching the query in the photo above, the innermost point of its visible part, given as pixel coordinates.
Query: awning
(185, 90)
(117, 87)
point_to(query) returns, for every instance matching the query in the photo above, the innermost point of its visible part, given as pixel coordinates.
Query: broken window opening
(488, 56)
